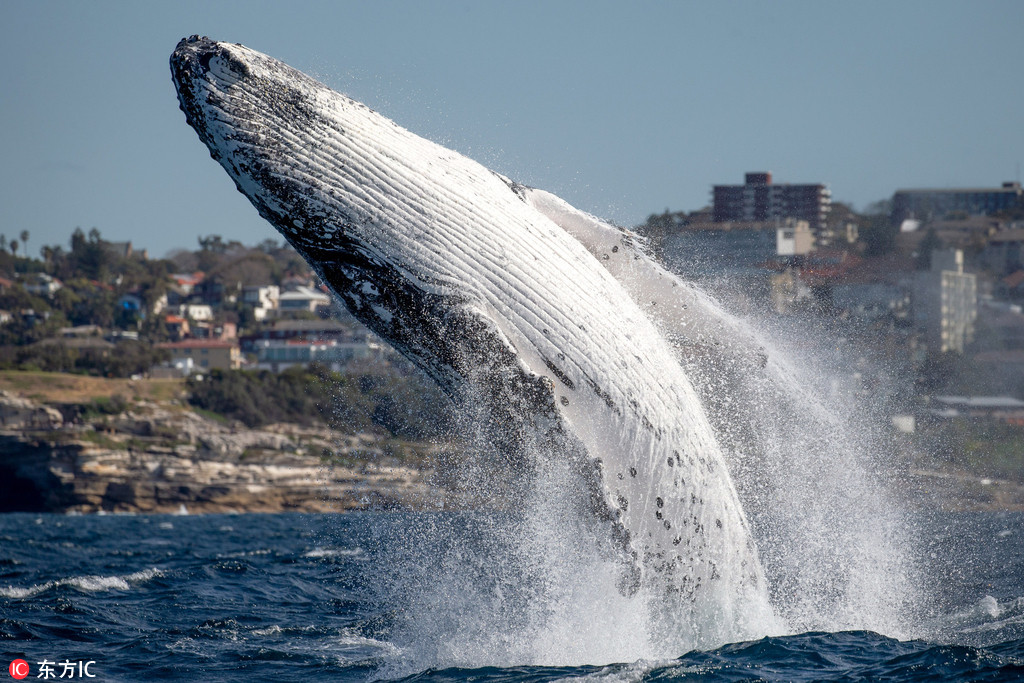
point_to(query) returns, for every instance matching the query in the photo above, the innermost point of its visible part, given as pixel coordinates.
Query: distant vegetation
(403, 406)
(95, 277)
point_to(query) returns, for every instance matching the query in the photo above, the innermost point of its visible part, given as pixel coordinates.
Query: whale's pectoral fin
(697, 326)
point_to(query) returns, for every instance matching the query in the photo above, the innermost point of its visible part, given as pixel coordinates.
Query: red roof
(1014, 280)
(187, 279)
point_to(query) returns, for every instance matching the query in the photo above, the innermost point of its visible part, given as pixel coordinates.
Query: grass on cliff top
(58, 387)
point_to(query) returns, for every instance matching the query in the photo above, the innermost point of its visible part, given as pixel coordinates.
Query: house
(793, 238)
(262, 298)
(187, 282)
(96, 345)
(214, 292)
(81, 331)
(41, 284)
(177, 326)
(214, 330)
(279, 354)
(302, 299)
(196, 312)
(310, 330)
(204, 354)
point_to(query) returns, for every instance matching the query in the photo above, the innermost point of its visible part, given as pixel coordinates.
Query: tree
(24, 240)
(877, 231)
(214, 243)
(928, 245)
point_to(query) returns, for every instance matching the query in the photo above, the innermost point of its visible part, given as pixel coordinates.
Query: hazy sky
(622, 108)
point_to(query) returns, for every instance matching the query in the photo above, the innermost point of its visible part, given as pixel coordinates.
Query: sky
(623, 109)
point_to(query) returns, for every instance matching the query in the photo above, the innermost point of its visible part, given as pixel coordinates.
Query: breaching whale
(510, 299)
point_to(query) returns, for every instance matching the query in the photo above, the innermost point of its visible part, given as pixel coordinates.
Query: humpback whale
(525, 311)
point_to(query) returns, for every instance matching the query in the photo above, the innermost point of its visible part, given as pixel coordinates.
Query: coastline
(155, 454)
(163, 457)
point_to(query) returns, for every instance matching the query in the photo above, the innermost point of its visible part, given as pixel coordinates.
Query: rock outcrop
(166, 458)
(20, 414)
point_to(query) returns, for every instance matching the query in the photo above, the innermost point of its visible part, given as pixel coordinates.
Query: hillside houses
(188, 313)
(198, 355)
(283, 326)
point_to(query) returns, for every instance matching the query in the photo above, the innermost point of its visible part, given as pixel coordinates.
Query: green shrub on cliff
(403, 406)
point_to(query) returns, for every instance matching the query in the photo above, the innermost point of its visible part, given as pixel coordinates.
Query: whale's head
(390, 221)
(258, 116)
(330, 174)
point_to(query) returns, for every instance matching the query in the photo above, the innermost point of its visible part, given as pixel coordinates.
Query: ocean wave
(988, 618)
(276, 630)
(626, 673)
(83, 583)
(333, 552)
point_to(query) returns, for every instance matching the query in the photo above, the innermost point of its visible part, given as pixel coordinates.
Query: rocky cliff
(156, 457)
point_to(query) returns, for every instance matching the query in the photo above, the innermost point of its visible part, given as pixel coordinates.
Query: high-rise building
(759, 200)
(946, 302)
(925, 205)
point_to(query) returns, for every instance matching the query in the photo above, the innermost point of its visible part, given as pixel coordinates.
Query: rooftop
(1006, 187)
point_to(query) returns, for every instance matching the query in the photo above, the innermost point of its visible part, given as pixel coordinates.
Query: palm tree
(14, 247)
(24, 240)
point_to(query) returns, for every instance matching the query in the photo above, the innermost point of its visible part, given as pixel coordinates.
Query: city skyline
(622, 110)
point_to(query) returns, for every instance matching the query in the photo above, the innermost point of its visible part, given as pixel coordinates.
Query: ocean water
(369, 596)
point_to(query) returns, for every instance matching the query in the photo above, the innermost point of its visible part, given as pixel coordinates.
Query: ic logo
(18, 669)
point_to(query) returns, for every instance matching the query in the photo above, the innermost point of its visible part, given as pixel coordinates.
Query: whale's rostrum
(461, 270)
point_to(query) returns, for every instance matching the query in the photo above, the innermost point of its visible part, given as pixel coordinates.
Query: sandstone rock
(21, 414)
(156, 459)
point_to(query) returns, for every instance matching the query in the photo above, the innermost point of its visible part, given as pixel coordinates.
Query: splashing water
(835, 544)
(544, 582)
(539, 584)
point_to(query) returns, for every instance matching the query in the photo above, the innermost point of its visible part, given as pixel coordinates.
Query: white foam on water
(333, 552)
(83, 583)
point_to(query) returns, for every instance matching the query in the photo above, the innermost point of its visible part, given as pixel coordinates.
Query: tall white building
(946, 302)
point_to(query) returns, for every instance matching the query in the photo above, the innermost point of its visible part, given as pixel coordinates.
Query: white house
(196, 312)
(262, 298)
(41, 284)
(302, 299)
